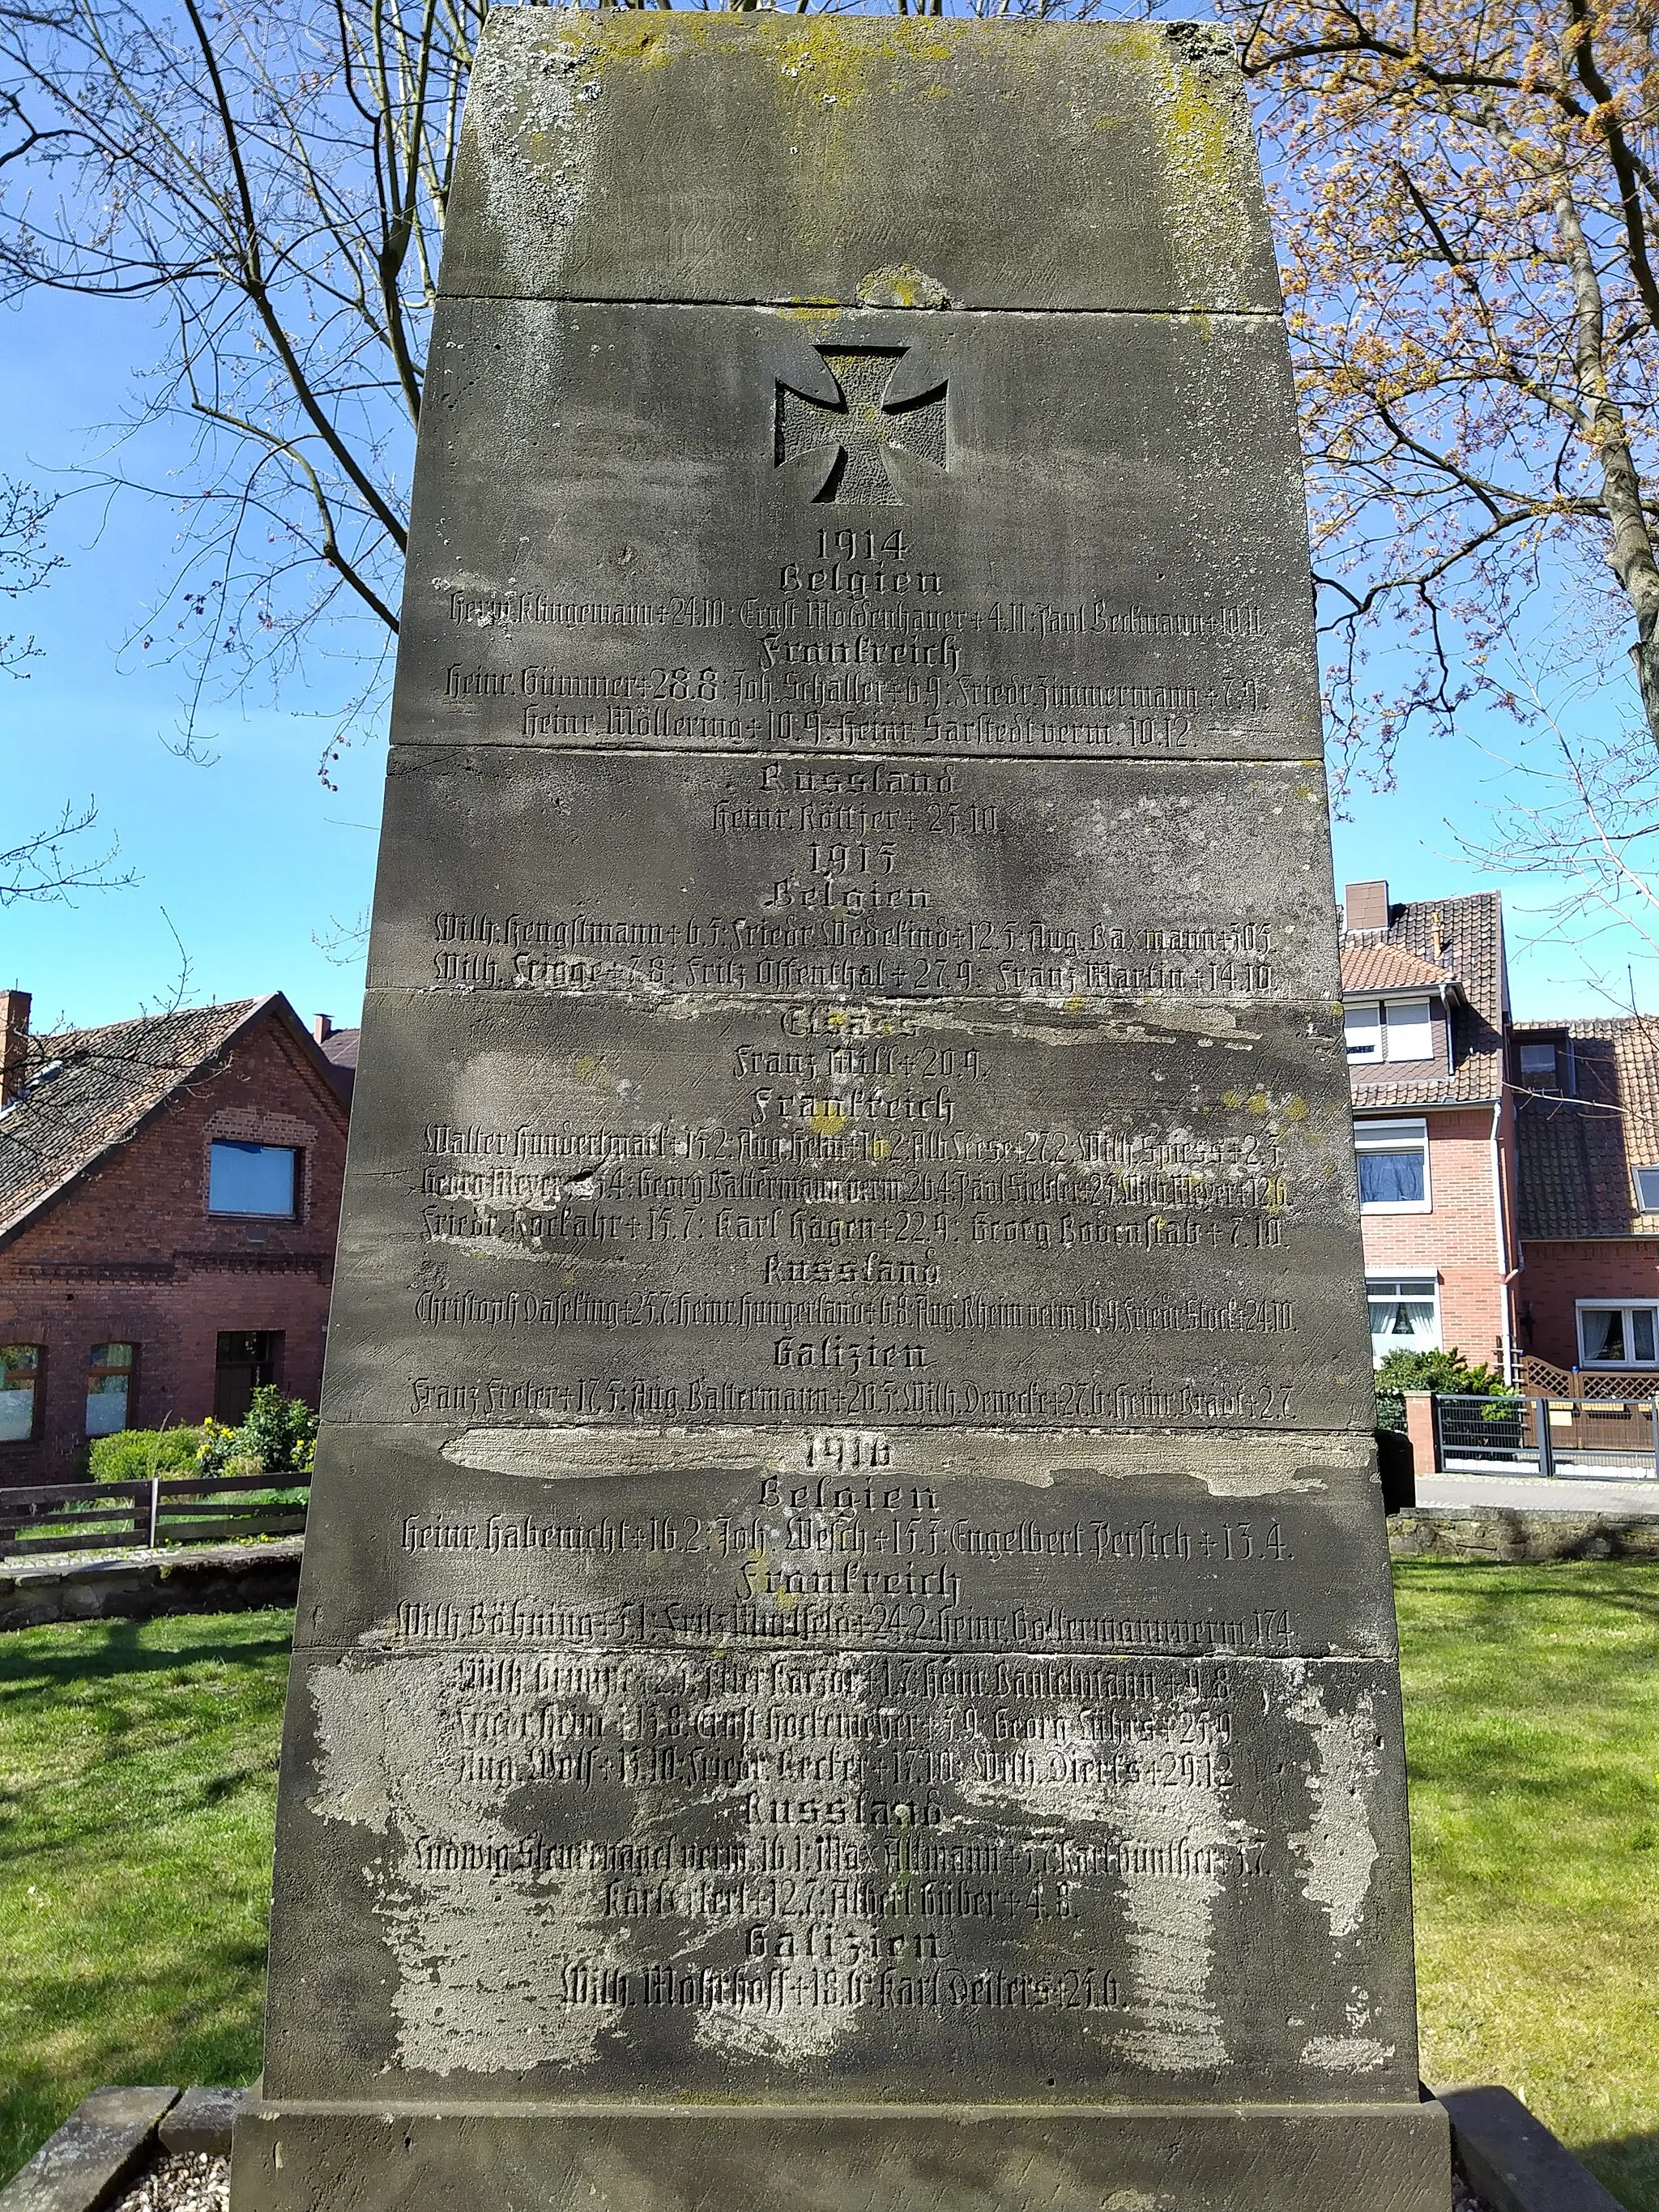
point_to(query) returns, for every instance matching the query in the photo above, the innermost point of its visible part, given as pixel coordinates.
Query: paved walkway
(1530, 1493)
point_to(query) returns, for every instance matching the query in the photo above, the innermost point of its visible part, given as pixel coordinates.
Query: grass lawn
(1532, 1726)
(137, 1778)
(137, 1787)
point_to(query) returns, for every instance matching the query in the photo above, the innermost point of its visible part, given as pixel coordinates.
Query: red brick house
(169, 1203)
(1509, 1171)
(1425, 1002)
(1587, 1128)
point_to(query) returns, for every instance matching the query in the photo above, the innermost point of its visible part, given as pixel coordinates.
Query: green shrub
(278, 1436)
(1446, 1372)
(136, 1455)
(1391, 1410)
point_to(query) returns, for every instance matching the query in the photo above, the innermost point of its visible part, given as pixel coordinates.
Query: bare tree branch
(49, 864)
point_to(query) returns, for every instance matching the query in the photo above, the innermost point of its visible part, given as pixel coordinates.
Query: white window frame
(1627, 1307)
(100, 1375)
(1373, 1136)
(1404, 1286)
(1364, 1015)
(1400, 1020)
(1376, 1024)
(1647, 1200)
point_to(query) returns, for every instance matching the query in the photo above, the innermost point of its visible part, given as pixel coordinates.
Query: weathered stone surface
(102, 2143)
(143, 1586)
(203, 2118)
(1515, 1534)
(980, 2158)
(888, 1773)
(549, 872)
(577, 1208)
(1024, 548)
(846, 1576)
(1117, 166)
(1510, 2157)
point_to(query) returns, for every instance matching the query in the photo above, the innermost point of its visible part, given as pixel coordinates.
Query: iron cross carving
(857, 446)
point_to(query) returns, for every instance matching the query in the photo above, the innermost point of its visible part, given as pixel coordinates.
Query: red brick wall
(1558, 1274)
(145, 1207)
(1457, 1239)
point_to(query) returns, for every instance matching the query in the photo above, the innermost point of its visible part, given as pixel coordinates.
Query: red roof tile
(87, 1091)
(1454, 940)
(1375, 964)
(1575, 1150)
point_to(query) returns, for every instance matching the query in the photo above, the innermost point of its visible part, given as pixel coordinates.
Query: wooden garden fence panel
(112, 1517)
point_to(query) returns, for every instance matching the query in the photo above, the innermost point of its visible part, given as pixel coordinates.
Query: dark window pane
(1604, 1331)
(19, 1372)
(253, 1179)
(246, 1359)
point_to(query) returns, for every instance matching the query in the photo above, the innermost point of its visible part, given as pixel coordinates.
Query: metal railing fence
(1564, 1436)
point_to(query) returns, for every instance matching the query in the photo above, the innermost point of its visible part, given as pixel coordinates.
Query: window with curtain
(1389, 1029)
(1394, 1165)
(1618, 1336)
(1362, 1023)
(1404, 1313)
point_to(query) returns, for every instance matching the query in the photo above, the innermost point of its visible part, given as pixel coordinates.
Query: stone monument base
(845, 2157)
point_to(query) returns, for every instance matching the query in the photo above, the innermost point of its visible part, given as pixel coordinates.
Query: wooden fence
(111, 1516)
(1537, 1378)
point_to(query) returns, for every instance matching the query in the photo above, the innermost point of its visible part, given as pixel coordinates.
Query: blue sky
(247, 859)
(250, 860)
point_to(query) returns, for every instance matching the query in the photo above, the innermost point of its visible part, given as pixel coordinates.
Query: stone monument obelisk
(846, 1654)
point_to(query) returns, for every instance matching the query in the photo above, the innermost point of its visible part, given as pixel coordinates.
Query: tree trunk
(1630, 555)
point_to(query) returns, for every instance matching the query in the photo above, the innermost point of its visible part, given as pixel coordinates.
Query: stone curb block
(201, 2120)
(1507, 2155)
(142, 1585)
(100, 2145)
(1511, 2160)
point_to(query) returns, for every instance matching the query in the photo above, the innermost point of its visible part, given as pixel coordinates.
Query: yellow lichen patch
(1260, 1102)
(1200, 125)
(881, 1148)
(902, 287)
(1295, 1109)
(654, 52)
(1206, 161)
(586, 1068)
(828, 1119)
